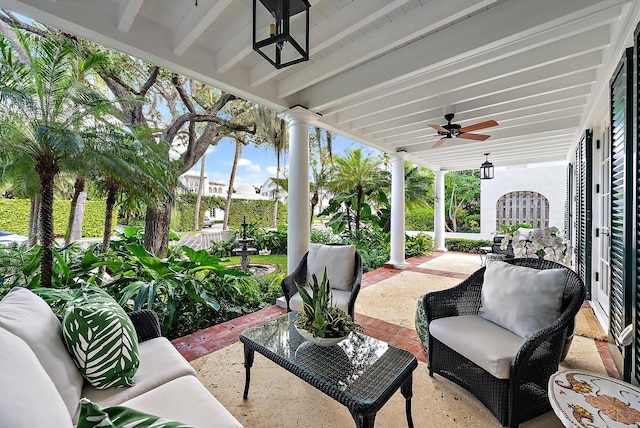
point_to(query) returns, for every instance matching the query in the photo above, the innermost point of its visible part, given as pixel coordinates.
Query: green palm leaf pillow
(101, 339)
(92, 416)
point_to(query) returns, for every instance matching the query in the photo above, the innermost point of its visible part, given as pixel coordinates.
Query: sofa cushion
(101, 339)
(30, 318)
(339, 260)
(185, 399)
(339, 297)
(160, 363)
(92, 416)
(521, 299)
(28, 396)
(486, 344)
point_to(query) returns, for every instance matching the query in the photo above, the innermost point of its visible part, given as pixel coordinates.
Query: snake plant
(320, 316)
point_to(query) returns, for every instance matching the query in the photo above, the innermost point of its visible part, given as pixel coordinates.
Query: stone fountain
(244, 251)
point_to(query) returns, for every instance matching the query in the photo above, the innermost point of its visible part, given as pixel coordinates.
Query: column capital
(441, 172)
(299, 114)
(401, 154)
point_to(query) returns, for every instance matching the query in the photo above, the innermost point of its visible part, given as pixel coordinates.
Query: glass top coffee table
(360, 372)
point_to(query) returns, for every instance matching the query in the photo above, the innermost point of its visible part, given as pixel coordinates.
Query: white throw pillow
(339, 261)
(29, 317)
(521, 299)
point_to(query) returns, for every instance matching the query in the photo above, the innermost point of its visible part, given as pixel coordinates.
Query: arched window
(522, 207)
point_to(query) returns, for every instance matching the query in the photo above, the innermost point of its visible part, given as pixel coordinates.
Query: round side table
(584, 399)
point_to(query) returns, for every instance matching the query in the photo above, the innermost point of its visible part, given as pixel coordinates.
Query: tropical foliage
(189, 290)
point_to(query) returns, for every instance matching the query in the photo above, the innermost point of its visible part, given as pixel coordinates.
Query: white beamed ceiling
(381, 70)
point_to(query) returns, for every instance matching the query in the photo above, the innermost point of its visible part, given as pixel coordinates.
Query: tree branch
(150, 81)
(175, 80)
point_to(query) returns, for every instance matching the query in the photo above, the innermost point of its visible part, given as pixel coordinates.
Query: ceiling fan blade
(477, 137)
(439, 142)
(481, 125)
(438, 128)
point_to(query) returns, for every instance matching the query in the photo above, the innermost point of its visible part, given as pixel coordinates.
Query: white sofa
(41, 386)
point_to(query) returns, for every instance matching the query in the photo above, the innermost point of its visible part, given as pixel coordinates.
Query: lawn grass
(279, 260)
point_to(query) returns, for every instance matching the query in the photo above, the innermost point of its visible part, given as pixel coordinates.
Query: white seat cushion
(186, 400)
(28, 316)
(160, 362)
(487, 344)
(339, 297)
(28, 397)
(339, 260)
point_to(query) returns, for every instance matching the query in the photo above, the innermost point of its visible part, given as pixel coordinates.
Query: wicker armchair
(523, 395)
(299, 276)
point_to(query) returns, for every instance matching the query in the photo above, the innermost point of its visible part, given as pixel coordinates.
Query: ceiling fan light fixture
(486, 169)
(275, 38)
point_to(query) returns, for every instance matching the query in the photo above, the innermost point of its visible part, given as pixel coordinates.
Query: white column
(299, 230)
(397, 211)
(438, 221)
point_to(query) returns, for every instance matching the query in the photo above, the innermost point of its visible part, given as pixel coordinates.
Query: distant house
(272, 191)
(190, 182)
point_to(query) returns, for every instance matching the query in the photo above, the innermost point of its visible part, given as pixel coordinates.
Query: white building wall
(550, 180)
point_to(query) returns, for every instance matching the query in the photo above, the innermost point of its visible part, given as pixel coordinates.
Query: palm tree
(356, 173)
(232, 179)
(320, 160)
(273, 130)
(45, 115)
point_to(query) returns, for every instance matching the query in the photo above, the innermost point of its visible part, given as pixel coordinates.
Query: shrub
(274, 240)
(466, 245)
(418, 245)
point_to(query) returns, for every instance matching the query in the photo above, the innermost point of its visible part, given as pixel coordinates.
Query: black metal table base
(361, 420)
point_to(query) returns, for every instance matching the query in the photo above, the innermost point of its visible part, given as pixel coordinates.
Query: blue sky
(257, 163)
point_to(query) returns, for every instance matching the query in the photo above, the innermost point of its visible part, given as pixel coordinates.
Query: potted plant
(320, 320)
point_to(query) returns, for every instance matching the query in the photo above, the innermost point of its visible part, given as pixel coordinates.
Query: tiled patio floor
(219, 336)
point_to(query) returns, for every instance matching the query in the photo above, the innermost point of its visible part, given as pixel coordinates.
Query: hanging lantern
(279, 40)
(486, 169)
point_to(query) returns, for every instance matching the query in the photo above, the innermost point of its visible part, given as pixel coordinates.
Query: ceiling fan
(453, 130)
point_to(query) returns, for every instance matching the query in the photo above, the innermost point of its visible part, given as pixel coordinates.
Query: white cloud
(272, 170)
(255, 168)
(244, 162)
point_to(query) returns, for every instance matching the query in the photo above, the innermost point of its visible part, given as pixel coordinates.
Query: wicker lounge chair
(343, 261)
(522, 395)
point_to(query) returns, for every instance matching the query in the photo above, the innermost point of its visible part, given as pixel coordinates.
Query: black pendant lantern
(274, 36)
(486, 169)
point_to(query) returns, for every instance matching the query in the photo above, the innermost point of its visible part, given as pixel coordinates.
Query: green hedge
(258, 211)
(14, 216)
(466, 245)
(419, 219)
(184, 209)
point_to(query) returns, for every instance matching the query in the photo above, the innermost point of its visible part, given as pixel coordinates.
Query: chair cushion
(486, 344)
(185, 399)
(92, 416)
(339, 297)
(160, 363)
(101, 339)
(28, 396)
(28, 316)
(339, 260)
(521, 299)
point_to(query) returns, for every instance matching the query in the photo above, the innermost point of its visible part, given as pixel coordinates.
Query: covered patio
(558, 77)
